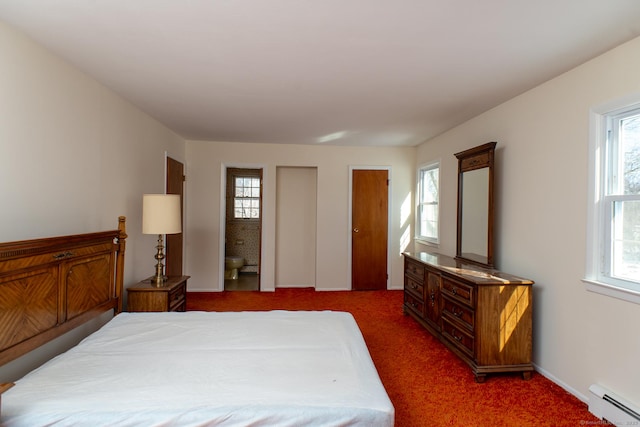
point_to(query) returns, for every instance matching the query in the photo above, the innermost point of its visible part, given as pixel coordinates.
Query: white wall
(206, 159)
(73, 155)
(580, 337)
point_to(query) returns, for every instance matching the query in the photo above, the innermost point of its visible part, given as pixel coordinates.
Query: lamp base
(158, 283)
(159, 278)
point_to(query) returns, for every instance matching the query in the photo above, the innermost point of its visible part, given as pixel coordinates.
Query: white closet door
(296, 226)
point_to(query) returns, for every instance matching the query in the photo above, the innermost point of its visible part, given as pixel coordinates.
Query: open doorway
(243, 229)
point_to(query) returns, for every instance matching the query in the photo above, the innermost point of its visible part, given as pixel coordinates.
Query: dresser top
(471, 272)
(170, 284)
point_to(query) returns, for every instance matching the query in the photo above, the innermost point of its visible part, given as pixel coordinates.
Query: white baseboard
(562, 384)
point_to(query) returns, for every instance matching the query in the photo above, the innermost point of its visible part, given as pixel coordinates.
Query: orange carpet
(427, 384)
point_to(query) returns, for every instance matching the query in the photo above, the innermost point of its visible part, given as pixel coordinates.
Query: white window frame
(597, 278)
(248, 198)
(419, 192)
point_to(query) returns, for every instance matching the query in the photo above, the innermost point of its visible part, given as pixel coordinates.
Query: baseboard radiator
(606, 405)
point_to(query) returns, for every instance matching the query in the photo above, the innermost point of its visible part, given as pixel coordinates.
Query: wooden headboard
(49, 286)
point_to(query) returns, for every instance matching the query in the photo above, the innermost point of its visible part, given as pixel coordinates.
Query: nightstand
(144, 296)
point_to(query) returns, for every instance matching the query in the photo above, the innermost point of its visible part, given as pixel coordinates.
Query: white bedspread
(278, 368)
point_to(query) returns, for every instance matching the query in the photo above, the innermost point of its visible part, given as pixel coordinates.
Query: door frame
(350, 234)
(223, 218)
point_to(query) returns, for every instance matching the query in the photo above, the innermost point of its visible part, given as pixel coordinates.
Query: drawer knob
(456, 313)
(63, 255)
(454, 291)
(456, 337)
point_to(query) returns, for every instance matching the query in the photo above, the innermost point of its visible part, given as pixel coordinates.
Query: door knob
(355, 230)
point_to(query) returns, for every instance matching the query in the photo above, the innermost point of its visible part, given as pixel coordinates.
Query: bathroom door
(369, 234)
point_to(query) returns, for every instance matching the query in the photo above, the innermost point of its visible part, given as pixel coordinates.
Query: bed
(283, 368)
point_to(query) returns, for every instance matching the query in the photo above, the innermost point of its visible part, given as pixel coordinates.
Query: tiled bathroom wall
(244, 240)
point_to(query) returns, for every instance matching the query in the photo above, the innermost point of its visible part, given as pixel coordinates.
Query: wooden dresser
(144, 296)
(481, 314)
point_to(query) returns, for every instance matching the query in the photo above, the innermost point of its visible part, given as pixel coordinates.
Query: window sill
(245, 220)
(426, 242)
(612, 291)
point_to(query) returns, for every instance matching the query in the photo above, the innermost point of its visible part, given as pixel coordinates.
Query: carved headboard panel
(52, 285)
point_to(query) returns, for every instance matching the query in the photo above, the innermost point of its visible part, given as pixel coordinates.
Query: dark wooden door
(369, 207)
(175, 185)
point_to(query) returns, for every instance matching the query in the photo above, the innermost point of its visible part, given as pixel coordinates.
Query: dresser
(482, 315)
(145, 296)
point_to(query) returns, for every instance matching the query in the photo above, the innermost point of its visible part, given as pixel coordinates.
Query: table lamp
(160, 215)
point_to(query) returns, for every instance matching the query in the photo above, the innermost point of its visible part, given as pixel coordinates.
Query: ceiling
(340, 72)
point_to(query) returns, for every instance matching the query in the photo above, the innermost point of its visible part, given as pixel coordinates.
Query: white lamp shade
(161, 214)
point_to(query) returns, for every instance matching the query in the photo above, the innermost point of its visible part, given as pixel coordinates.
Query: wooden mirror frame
(469, 160)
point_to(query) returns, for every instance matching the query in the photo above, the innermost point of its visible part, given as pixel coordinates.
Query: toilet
(231, 266)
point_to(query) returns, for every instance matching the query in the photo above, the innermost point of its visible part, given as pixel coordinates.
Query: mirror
(475, 205)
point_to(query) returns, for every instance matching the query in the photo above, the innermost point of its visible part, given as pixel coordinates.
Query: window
(246, 199)
(614, 261)
(428, 203)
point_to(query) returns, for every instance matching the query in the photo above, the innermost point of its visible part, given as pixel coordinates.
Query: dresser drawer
(177, 298)
(458, 291)
(182, 306)
(413, 303)
(414, 269)
(458, 336)
(459, 313)
(416, 288)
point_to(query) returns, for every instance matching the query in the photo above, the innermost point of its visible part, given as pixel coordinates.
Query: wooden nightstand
(144, 296)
